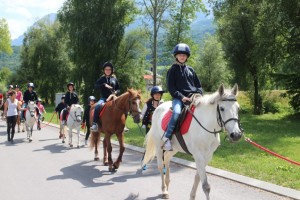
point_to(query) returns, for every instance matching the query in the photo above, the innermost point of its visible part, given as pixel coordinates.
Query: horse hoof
(145, 167)
(78, 147)
(63, 141)
(105, 163)
(111, 169)
(165, 196)
(115, 166)
(30, 140)
(71, 145)
(96, 159)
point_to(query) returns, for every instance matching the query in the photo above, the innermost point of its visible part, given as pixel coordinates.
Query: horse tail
(94, 140)
(150, 148)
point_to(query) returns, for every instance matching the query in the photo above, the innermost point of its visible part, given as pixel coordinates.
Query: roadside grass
(278, 132)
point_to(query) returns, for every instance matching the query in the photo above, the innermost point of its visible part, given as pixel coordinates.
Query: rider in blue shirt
(182, 81)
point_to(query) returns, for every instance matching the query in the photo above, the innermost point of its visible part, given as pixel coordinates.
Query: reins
(220, 121)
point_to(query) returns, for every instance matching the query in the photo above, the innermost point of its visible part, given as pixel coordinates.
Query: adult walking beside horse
(11, 108)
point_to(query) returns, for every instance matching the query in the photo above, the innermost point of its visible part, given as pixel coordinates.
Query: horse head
(76, 112)
(31, 108)
(134, 104)
(227, 110)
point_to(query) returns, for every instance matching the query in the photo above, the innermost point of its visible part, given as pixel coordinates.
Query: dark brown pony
(112, 121)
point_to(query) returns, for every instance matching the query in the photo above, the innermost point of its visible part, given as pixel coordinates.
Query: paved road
(49, 170)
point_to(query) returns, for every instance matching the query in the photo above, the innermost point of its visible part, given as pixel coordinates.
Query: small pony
(73, 122)
(212, 113)
(30, 119)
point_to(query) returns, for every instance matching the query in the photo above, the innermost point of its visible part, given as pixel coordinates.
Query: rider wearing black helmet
(71, 98)
(29, 95)
(108, 86)
(150, 105)
(182, 81)
(86, 117)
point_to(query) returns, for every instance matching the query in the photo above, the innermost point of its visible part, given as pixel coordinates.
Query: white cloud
(21, 14)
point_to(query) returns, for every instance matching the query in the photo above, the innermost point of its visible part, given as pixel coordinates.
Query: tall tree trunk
(257, 97)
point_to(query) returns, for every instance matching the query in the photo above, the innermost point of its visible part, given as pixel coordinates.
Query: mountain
(50, 18)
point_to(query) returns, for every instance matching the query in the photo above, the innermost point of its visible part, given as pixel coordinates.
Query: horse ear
(235, 89)
(221, 90)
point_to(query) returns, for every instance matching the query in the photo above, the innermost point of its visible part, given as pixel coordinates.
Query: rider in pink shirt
(42, 110)
(19, 94)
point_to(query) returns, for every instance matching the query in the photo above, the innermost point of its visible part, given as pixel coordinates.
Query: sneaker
(64, 122)
(94, 128)
(126, 129)
(168, 145)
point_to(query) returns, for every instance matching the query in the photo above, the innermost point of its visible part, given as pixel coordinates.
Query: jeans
(177, 107)
(23, 112)
(97, 109)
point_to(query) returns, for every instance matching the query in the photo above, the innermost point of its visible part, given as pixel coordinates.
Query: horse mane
(213, 98)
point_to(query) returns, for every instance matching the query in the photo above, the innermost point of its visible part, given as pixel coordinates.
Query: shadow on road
(83, 173)
(53, 148)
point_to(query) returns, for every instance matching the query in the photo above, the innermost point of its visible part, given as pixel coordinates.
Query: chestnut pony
(112, 121)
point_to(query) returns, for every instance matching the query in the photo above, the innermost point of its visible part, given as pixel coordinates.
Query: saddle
(183, 123)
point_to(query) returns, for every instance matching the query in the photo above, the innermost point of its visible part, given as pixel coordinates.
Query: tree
(178, 27)
(95, 29)
(45, 59)
(212, 67)
(131, 60)
(238, 23)
(5, 45)
(155, 9)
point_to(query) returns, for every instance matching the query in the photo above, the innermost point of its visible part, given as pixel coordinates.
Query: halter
(76, 116)
(129, 106)
(220, 121)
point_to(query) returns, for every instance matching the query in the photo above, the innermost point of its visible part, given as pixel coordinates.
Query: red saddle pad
(185, 125)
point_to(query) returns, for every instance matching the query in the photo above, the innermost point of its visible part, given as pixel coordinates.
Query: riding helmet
(17, 86)
(10, 87)
(70, 83)
(39, 100)
(91, 98)
(108, 64)
(30, 85)
(62, 97)
(182, 48)
(156, 89)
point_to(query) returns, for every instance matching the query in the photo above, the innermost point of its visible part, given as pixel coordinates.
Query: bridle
(31, 111)
(131, 111)
(220, 120)
(76, 116)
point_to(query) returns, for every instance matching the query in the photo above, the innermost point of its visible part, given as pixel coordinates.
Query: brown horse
(112, 121)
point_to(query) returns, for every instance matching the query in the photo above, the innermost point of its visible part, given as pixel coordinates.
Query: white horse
(73, 122)
(30, 119)
(211, 114)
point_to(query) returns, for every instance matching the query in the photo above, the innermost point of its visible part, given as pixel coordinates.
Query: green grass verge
(277, 132)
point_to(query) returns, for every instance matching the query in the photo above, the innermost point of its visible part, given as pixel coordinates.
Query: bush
(275, 102)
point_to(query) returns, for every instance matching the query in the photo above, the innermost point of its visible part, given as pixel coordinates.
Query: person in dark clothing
(86, 117)
(71, 98)
(62, 105)
(29, 95)
(108, 86)
(182, 81)
(150, 105)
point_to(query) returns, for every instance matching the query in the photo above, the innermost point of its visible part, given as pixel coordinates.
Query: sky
(21, 14)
